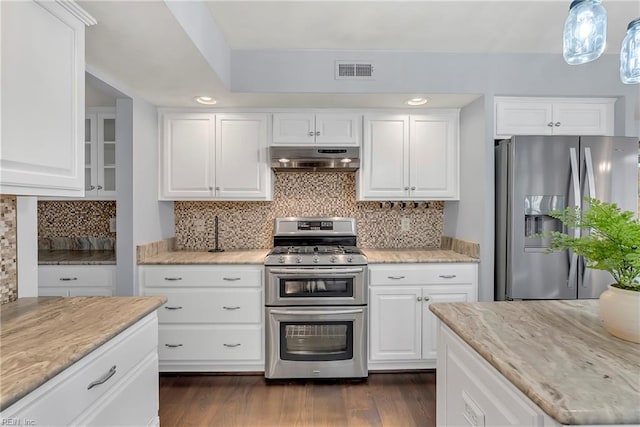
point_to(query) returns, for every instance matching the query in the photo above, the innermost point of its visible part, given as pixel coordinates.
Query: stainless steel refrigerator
(537, 174)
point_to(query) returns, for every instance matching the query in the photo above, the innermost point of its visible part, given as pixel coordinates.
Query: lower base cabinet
(76, 280)
(116, 384)
(402, 330)
(213, 319)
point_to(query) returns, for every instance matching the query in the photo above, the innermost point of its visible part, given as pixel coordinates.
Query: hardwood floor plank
(386, 400)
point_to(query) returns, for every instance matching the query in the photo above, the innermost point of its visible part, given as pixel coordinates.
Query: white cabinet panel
(589, 118)
(335, 129)
(523, 118)
(435, 294)
(338, 129)
(210, 343)
(100, 147)
(292, 128)
(45, 158)
(207, 276)
(76, 280)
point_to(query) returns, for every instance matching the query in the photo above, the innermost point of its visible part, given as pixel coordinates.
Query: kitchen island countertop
(557, 353)
(40, 337)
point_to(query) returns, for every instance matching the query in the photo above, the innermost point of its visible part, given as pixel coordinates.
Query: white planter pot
(620, 313)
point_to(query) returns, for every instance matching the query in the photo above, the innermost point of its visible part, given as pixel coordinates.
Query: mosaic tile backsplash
(8, 249)
(249, 225)
(77, 218)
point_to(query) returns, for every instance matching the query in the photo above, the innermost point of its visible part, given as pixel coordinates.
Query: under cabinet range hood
(315, 158)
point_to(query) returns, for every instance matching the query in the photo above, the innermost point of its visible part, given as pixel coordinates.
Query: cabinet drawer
(200, 276)
(65, 396)
(210, 342)
(209, 305)
(87, 275)
(420, 275)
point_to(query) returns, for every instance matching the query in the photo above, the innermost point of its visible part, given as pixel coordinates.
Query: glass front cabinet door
(100, 153)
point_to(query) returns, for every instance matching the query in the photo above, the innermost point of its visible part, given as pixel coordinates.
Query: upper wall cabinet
(43, 61)
(214, 157)
(322, 129)
(553, 116)
(100, 153)
(410, 157)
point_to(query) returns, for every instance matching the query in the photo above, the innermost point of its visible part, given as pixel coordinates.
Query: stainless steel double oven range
(316, 300)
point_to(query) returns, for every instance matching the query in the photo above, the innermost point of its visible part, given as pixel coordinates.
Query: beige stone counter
(557, 353)
(419, 255)
(40, 337)
(74, 257)
(249, 256)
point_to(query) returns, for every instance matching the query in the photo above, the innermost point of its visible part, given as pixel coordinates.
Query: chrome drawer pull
(231, 345)
(447, 276)
(104, 379)
(166, 307)
(173, 345)
(68, 279)
(395, 277)
(172, 279)
(231, 308)
(231, 279)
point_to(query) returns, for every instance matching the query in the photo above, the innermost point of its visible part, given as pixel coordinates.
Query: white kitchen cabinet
(100, 153)
(553, 116)
(116, 384)
(214, 157)
(339, 129)
(410, 157)
(402, 332)
(213, 319)
(76, 280)
(43, 61)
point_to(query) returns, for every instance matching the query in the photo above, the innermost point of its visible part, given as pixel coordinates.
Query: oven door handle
(317, 271)
(316, 312)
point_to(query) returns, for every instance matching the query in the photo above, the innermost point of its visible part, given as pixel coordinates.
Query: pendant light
(630, 54)
(585, 32)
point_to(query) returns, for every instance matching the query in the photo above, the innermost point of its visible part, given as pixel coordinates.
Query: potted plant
(613, 245)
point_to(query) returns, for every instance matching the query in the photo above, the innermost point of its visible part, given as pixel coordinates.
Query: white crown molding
(78, 12)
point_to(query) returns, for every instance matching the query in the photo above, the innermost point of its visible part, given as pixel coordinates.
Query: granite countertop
(557, 353)
(418, 255)
(73, 328)
(247, 256)
(76, 257)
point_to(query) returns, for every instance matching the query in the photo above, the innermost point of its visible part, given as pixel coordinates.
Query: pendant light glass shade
(585, 32)
(630, 54)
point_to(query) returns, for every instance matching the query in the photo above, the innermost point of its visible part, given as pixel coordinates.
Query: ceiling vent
(353, 70)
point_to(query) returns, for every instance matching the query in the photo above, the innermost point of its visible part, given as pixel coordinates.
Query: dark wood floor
(389, 399)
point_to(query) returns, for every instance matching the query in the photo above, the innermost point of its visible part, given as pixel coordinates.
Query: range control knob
(298, 259)
(316, 259)
(281, 259)
(332, 258)
(349, 259)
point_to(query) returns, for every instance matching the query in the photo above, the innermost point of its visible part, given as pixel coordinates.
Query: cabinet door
(338, 129)
(384, 174)
(431, 294)
(187, 156)
(292, 129)
(395, 323)
(242, 171)
(43, 60)
(106, 161)
(90, 154)
(583, 118)
(433, 157)
(515, 117)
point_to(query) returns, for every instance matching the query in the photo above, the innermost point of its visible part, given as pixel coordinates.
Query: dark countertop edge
(7, 402)
(77, 262)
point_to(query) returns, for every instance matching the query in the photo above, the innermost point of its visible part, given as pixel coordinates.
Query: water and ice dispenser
(537, 220)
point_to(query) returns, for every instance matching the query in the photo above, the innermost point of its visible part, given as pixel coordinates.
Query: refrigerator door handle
(586, 274)
(573, 270)
(590, 176)
(575, 180)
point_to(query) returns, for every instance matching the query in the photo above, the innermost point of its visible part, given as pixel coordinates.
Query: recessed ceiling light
(206, 100)
(417, 101)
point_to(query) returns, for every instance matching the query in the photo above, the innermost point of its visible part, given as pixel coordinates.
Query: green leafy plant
(613, 243)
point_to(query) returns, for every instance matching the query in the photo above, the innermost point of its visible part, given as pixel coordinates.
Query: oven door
(316, 286)
(316, 342)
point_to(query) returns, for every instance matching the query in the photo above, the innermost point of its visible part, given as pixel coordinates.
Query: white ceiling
(141, 44)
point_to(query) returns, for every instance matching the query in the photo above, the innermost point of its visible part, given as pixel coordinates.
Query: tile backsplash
(8, 249)
(249, 225)
(76, 218)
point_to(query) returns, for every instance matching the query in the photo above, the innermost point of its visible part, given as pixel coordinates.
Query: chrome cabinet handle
(179, 307)
(217, 188)
(231, 279)
(310, 133)
(173, 279)
(91, 187)
(557, 124)
(99, 187)
(173, 345)
(413, 188)
(231, 308)
(550, 124)
(68, 279)
(210, 188)
(104, 378)
(447, 276)
(317, 133)
(231, 345)
(427, 298)
(406, 188)
(419, 298)
(395, 277)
